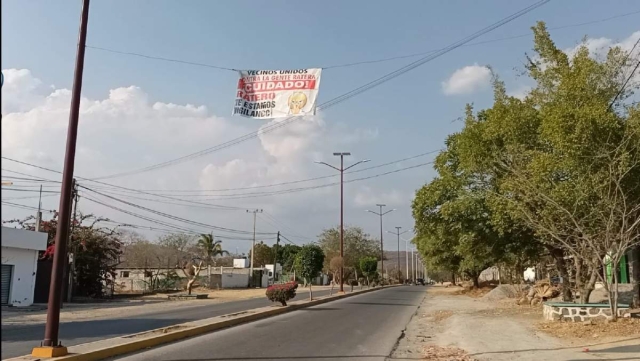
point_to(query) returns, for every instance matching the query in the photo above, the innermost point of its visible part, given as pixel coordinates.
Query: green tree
(287, 255)
(453, 219)
(559, 167)
(368, 266)
(211, 247)
(357, 244)
(309, 262)
(263, 255)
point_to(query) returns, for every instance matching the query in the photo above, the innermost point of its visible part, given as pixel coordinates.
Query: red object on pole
(59, 256)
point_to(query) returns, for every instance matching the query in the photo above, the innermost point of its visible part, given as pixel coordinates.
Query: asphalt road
(18, 340)
(365, 327)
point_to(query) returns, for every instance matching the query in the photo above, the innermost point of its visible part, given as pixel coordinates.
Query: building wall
(24, 262)
(235, 280)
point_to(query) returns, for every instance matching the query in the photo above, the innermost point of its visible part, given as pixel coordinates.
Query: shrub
(282, 292)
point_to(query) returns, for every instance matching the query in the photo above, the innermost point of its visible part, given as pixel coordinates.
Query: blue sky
(410, 114)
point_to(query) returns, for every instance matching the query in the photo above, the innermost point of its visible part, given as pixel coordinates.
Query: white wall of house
(235, 280)
(20, 254)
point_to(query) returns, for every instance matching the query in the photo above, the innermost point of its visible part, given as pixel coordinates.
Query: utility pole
(275, 257)
(74, 253)
(39, 214)
(381, 238)
(253, 244)
(406, 255)
(398, 233)
(341, 170)
(413, 267)
(51, 346)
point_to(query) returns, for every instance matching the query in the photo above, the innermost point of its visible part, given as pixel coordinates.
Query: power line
(184, 220)
(363, 62)
(299, 189)
(285, 226)
(24, 206)
(31, 177)
(136, 215)
(221, 207)
(479, 42)
(30, 197)
(289, 182)
(26, 190)
(160, 58)
(335, 101)
(624, 85)
(256, 194)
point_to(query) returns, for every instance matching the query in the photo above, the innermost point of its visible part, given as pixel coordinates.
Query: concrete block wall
(577, 313)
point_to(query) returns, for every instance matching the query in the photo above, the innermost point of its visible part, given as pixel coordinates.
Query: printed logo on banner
(266, 94)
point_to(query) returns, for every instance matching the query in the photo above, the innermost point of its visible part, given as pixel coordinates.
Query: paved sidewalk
(480, 329)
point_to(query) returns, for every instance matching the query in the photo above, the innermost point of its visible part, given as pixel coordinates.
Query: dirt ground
(133, 307)
(452, 325)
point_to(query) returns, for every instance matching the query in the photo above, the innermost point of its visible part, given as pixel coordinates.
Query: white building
(271, 273)
(19, 264)
(240, 263)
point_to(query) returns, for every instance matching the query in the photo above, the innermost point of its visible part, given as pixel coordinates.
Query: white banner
(265, 94)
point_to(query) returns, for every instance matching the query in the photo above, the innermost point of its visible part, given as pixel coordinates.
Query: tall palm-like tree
(211, 247)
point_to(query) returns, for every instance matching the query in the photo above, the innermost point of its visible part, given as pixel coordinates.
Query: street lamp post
(398, 233)
(380, 214)
(341, 170)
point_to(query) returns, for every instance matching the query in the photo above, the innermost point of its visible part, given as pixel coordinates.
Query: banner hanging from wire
(267, 94)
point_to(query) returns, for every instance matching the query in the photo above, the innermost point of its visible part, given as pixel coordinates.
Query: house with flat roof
(20, 249)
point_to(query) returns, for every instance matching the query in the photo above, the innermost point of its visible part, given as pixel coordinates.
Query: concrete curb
(99, 350)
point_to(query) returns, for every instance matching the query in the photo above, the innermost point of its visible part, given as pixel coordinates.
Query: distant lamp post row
(398, 233)
(381, 214)
(341, 170)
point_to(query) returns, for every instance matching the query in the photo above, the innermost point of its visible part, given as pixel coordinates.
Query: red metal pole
(341, 223)
(62, 232)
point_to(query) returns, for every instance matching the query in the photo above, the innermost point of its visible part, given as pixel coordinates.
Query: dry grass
(440, 316)
(625, 327)
(444, 290)
(436, 353)
(475, 292)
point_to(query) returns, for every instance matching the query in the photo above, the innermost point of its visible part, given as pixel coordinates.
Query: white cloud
(467, 80)
(128, 130)
(598, 47)
(520, 92)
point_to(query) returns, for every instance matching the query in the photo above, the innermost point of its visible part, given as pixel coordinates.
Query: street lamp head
(341, 153)
(381, 205)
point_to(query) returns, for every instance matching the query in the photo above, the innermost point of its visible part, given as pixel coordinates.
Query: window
(124, 274)
(148, 274)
